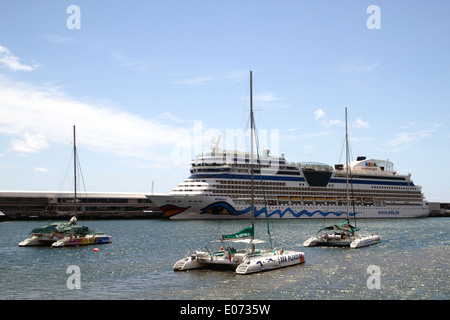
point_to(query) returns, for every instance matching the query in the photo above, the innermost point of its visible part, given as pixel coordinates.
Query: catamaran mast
(74, 172)
(251, 159)
(346, 159)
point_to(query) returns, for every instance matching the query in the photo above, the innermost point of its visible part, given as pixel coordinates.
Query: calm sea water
(413, 260)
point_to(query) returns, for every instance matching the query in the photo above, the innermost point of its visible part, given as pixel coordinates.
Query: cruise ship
(220, 187)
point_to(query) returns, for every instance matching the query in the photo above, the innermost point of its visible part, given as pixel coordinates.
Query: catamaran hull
(43, 240)
(270, 262)
(33, 241)
(204, 260)
(37, 241)
(209, 208)
(187, 263)
(81, 241)
(365, 241)
(336, 241)
(243, 265)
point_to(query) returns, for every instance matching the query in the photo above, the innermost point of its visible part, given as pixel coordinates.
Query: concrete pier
(438, 209)
(37, 205)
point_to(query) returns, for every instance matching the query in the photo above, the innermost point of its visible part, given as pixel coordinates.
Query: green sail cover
(62, 227)
(247, 232)
(346, 226)
(67, 227)
(45, 229)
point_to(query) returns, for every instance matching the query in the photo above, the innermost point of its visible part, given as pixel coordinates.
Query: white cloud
(357, 74)
(407, 140)
(37, 117)
(40, 169)
(53, 38)
(269, 100)
(321, 117)
(292, 136)
(193, 81)
(125, 61)
(265, 97)
(8, 60)
(359, 123)
(327, 123)
(167, 116)
(332, 122)
(356, 66)
(319, 113)
(228, 76)
(30, 143)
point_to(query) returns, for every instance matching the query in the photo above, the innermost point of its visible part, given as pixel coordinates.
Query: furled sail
(244, 233)
(345, 226)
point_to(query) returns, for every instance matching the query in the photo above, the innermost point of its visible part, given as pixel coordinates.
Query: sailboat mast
(251, 154)
(74, 172)
(346, 159)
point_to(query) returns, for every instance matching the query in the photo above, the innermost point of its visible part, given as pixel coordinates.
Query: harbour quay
(46, 205)
(55, 205)
(439, 209)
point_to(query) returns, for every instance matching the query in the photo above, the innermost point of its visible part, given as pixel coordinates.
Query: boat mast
(74, 172)
(346, 159)
(251, 159)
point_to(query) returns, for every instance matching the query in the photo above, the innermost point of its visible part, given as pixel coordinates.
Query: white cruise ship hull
(190, 207)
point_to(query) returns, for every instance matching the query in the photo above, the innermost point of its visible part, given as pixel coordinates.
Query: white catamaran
(245, 260)
(66, 234)
(343, 234)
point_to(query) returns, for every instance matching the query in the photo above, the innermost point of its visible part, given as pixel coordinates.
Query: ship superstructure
(220, 184)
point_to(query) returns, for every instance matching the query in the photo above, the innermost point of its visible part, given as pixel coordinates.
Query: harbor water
(411, 262)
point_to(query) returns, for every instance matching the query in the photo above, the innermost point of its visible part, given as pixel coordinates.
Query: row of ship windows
(387, 197)
(328, 191)
(304, 184)
(391, 197)
(175, 201)
(282, 184)
(246, 166)
(268, 183)
(394, 188)
(189, 185)
(306, 194)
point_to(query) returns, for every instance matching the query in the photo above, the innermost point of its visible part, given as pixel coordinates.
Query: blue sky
(150, 83)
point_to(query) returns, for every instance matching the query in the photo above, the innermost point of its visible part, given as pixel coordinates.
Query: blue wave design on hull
(226, 208)
(301, 213)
